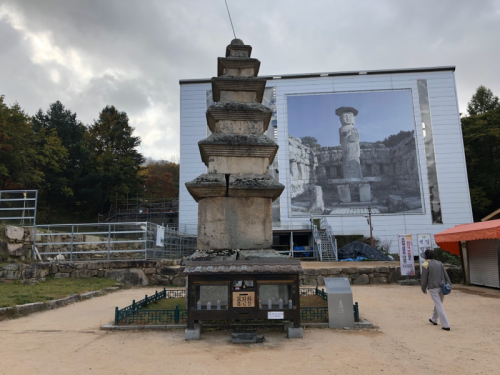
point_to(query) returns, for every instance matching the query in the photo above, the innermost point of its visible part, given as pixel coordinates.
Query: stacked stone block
(235, 196)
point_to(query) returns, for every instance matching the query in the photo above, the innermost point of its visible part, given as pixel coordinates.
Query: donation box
(340, 303)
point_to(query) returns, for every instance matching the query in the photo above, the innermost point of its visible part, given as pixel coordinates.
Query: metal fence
(109, 241)
(18, 207)
(134, 315)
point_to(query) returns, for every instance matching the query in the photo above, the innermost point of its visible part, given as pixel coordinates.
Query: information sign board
(406, 261)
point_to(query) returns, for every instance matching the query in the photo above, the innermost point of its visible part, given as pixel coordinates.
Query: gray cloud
(131, 54)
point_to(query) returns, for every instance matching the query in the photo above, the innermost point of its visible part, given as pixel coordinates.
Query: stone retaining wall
(367, 275)
(145, 272)
(168, 272)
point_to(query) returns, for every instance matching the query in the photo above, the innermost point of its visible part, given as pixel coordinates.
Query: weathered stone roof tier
(238, 89)
(254, 185)
(207, 185)
(238, 49)
(237, 67)
(261, 266)
(238, 118)
(239, 185)
(237, 145)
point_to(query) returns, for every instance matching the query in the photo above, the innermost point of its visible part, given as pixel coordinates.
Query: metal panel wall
(449, 151)
(483, 263)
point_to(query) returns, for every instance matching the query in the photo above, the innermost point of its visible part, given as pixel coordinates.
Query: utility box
(340, 302)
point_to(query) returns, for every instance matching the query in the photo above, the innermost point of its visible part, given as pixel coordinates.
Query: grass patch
(167, 304)
(50, 289)
(312, 301)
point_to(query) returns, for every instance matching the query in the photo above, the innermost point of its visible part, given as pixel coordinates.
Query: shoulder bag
(445, 286)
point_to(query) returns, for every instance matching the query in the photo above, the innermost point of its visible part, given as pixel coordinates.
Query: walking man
(433, 274)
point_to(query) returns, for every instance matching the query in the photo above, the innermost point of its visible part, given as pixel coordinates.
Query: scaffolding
(109, 241)
(135, 208)
(18, 207)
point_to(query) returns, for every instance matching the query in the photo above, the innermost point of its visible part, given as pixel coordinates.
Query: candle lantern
(209, 306)
(281, 304)
(198, 305)
(218, 305)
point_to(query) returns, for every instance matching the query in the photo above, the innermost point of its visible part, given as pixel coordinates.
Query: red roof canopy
(449, 239)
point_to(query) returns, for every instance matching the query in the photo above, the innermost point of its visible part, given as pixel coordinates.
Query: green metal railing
(134, 315)
(316, 291)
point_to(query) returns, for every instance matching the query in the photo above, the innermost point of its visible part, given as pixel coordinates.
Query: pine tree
(482, 101)
(115, 160)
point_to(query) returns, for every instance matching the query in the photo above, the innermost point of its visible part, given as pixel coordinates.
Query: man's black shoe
(446, 329)
(430, 320)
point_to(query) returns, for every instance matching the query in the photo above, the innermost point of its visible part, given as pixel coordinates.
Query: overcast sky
(131, 54)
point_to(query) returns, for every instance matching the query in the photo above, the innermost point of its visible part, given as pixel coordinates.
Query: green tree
(115, 160)
(395, 139)
(482, 101)
(72, 135)
(50, 160)
(481, 134)
(311, 141)
(17, 149)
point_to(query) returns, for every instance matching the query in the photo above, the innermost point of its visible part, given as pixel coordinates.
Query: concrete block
(192, 334)
(287, 325)
(295, 333)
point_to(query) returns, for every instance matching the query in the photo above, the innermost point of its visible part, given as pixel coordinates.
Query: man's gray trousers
(438, 298)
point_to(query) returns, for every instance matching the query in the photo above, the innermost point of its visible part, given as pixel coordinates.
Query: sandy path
(68, 341)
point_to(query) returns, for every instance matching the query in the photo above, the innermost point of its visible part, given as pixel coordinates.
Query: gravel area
(69, 341)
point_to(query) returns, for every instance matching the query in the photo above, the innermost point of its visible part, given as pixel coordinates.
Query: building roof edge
(336, 74)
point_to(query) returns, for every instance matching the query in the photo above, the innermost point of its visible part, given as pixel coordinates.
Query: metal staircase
(325, 244)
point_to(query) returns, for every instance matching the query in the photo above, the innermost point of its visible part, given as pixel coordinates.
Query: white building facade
(407, 144)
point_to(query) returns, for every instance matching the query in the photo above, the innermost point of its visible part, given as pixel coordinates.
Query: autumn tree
(162, 178)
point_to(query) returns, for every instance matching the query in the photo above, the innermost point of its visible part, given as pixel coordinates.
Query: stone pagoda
(235, 195)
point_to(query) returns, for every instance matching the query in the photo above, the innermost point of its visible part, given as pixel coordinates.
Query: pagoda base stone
(211, 255)
(235, 223)
(260, 254)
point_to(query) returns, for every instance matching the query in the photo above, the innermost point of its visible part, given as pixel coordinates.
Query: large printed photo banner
(351, 150)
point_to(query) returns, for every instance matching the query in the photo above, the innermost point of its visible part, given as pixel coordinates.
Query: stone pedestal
(365, 193)
(344, 193)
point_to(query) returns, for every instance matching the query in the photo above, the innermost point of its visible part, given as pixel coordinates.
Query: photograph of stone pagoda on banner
(348, 151)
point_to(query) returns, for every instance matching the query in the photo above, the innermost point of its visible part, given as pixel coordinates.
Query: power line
(230, 19)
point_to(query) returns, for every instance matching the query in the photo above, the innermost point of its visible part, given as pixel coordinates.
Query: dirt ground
(68, 341)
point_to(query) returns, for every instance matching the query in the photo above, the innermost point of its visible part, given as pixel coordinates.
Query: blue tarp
(357, 259)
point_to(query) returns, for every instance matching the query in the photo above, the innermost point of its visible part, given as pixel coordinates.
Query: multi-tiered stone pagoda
(235, 195)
